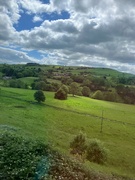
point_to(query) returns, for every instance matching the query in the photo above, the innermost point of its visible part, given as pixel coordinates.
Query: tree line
(105, 87)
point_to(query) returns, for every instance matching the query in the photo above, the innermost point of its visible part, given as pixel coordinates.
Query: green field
(28, 80)
(56, 122)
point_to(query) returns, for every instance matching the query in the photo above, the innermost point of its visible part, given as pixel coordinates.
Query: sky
(94, 33)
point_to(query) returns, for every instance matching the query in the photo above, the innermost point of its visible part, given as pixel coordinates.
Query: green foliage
(86, 91)
(111, 96)
(78, 145)
(60, 94)
(66, 118)
(65, 88)
(19, 157)
(16, 83)
(96, 152)
(73, 88)
(62, 167)
(98, 95)
(86, 82)
(39, 85)
(23, 159)
(39, 96)
(66, 80)
(120, 88)
(79, 91)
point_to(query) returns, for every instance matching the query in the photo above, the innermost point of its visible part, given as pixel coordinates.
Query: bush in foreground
(96, 152)
(78, 145)
(23, 159)
(19, 157)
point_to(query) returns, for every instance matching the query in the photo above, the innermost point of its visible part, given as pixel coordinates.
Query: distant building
(7, 77)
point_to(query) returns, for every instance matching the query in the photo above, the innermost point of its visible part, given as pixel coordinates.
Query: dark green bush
(78, 145)
(20, 157)
(96, 152)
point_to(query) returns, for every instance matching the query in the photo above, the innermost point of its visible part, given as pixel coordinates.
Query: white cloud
(98, 33)
(11, 8)
(37, 19)
(35, 6)
(12, 56)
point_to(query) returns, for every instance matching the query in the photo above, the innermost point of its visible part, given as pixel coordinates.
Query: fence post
(102, 118)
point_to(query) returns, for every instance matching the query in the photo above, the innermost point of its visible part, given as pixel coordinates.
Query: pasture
(57, 122)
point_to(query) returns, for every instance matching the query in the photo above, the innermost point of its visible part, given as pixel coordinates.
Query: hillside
(57, 122)
(74, 70)
(97, 83)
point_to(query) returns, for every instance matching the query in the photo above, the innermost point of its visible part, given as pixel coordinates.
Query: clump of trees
(93, 150)
(62, 93)
(117, 88)
(20, 71)
(16, 83)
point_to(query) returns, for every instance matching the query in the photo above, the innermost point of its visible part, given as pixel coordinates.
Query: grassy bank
(56, 122)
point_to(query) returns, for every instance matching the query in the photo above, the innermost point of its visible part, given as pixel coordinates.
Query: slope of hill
(57, 122)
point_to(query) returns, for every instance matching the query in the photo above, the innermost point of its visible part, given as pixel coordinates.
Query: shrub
(96, 152)
(78, 145)
(20, 157)
(60, 94)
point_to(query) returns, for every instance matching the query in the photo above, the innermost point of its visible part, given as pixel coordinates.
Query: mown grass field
(56, 122)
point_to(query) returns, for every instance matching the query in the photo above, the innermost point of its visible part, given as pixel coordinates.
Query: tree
(73, 88)
(39, 96)
(120, 88)
(86, 91)
(98, 95)
(86, 82)
(110, 96)
(65, 88)
(60, 94)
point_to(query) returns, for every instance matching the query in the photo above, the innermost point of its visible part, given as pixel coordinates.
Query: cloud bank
(97, 33)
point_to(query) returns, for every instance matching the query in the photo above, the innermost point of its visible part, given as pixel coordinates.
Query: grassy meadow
(28, 80)
(57, 122)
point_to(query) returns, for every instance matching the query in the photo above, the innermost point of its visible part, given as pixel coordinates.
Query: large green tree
(86, 91)
(74, 88)
(39, 96)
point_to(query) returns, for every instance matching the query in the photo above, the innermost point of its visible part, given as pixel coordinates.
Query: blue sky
(84, 33)
(26, 20)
